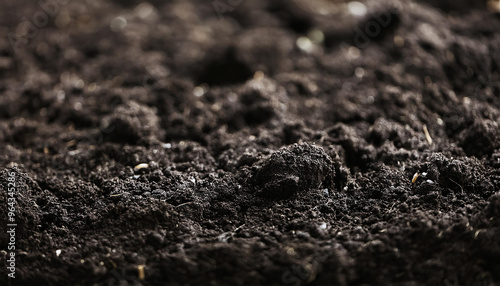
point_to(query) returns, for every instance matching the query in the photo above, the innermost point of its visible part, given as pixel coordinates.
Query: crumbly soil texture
(251, 142)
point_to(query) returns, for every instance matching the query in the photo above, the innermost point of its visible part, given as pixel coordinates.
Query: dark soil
(281, 147)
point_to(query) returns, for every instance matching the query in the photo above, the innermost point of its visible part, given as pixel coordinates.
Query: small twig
(117, 195)
(391, 208)
(238, 228)
(183, 204)
(461, 189)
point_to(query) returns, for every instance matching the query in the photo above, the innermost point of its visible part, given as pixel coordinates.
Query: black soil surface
(251, 142)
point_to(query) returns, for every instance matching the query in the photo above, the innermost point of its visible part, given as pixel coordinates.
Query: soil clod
(296, 168)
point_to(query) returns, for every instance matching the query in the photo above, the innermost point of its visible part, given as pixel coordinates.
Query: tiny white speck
(357, 8)
(61, 95)
(305, 44)
(359, 72)
(316, 36)
(232, 97)
(198, 91)
(370, 99)
(167, 145)
(144, 10)
(77, 106)
(58, 252)
(258, 75)
(118, 24)
(80, 84)
(466, 101)
(73, 153)
(353, 53)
